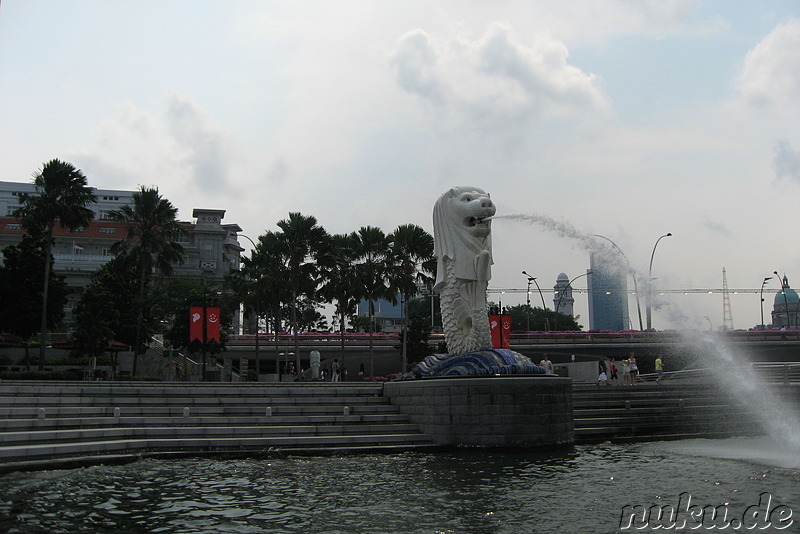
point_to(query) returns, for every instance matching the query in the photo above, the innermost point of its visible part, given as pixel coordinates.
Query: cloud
(716, 227)
(203, 145)
(770, 76)
(496, 81)
(786, 161)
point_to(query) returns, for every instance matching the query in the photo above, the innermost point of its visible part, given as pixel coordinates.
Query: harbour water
(588, 489)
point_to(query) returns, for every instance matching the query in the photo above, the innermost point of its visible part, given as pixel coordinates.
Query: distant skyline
(627, 119)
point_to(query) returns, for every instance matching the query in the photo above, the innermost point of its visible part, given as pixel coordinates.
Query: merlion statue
(463, 248)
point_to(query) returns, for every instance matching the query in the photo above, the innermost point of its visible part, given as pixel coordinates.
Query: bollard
(41, 413)
(186, 412)
(116, 412)
(347, 410)
(269, 411)
(627, 405)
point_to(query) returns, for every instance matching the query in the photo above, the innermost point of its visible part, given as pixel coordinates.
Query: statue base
(478, 363)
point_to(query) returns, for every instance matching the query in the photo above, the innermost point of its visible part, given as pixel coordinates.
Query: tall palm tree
(264, 289)
(412, 264)
(340, 281)
(371, 256)
(153, 232)
(62, 195)
(306, 247)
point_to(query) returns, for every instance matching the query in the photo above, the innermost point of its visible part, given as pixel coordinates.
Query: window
(13, 226)
(107, 231)
(107, 197)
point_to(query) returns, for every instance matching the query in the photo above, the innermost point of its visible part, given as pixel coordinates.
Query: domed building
(786, 307)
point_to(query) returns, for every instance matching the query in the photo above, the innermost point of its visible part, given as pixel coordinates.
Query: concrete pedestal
(512, 411)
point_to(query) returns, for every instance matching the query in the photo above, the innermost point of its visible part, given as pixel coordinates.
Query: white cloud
(770, 76)
(497, 81)
(786, 162)
(203, 146)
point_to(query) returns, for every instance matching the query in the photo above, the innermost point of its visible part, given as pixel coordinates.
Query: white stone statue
(463, 247)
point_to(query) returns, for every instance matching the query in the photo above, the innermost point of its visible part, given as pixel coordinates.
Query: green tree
(411, 265)
(151, 242)
(62, 196)
(371, 259)
(419, 331)
(305, 245)
(521, 314)
(106, 310)
(340, 282)
(20, 290)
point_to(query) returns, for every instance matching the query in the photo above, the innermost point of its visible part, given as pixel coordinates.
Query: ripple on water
(582, 489)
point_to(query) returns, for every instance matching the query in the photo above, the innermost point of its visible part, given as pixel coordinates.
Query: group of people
(608, 371)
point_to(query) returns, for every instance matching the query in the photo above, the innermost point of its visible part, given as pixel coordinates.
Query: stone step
(30, 412)
(116, 400)
(55, 423)
(244, 389)
(191, 432)
(216, 444)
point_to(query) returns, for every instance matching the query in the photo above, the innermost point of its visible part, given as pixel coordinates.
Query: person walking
(335, 370)
(612, 368)
(626, 373)
(602, 371)
(659, 369)
(634, 368)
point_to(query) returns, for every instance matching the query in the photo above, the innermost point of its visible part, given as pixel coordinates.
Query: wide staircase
(72, 422)
(674, 409)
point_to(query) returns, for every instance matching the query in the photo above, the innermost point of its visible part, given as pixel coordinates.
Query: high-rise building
(608, 294)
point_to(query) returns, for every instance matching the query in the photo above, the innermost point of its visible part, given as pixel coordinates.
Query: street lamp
(785, 299)
(564, 290)
(544, 306)
(258, 355)
(767, 279)
(650, 280)
(633, 276)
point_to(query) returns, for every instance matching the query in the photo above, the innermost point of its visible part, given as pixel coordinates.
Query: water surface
(580, 490)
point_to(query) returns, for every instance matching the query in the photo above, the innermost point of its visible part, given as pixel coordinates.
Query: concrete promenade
(46, 425)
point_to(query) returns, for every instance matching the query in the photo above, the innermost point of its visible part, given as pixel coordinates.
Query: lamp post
(633, 277)
(650, 281)
(561, 296)
(544, 306)
(767, 279)
(785, 299)
(258, 359)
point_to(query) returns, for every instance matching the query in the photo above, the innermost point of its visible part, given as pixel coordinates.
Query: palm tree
(151, 243)
(306, 247)
(371, 256)
(263, 289)
(412, 264)
(340, 281)
(63, 195)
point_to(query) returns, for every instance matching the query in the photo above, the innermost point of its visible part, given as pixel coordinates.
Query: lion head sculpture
(462, 231)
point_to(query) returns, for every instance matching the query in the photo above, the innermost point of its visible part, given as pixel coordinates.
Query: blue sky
(623, 118)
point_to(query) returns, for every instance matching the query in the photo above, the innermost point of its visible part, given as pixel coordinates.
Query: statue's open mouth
(478, 221)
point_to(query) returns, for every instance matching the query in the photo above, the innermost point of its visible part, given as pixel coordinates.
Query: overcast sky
(628, 119)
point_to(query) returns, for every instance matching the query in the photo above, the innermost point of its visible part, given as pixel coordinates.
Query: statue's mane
(451, 239)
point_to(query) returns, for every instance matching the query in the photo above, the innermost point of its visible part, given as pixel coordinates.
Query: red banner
(196, 322)
(212, 324)
(500, 326)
